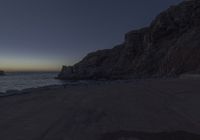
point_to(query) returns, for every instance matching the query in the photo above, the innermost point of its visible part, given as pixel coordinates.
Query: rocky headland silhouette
(169, 47)
(2, 72)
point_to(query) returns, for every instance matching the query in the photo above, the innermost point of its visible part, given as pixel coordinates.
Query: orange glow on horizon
(29, 65)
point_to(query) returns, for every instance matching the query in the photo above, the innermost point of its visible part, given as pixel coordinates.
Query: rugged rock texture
(2, 72)
(170, 46)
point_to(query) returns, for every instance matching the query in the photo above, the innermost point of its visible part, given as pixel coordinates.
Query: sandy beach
(106, 110)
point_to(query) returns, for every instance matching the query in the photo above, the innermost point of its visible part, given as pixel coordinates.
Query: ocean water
(19, 81)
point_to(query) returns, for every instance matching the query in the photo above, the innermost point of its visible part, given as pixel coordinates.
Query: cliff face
(170, 46)
(2, 72)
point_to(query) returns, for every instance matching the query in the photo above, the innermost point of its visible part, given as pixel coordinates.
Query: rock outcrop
(170, 46)
(2, 72)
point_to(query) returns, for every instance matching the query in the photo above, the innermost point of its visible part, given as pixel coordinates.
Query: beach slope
(142, 109)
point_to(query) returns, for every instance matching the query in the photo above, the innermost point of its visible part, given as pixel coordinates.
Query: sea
(25, 80)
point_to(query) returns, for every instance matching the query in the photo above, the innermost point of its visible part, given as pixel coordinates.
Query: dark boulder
(2, 72)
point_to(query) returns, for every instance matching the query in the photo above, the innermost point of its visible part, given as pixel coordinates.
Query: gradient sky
(46, 34)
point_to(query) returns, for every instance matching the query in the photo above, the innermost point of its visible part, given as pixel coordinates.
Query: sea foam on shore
(23, 80)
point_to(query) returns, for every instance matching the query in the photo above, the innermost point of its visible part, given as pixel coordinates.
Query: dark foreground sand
(137, 110)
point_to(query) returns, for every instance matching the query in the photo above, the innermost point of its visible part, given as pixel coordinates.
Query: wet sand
(138, 110)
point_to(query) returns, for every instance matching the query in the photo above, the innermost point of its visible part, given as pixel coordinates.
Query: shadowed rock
(2, 72)
(169, 47)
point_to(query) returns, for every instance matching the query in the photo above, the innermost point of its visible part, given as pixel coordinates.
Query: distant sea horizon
(28, 79)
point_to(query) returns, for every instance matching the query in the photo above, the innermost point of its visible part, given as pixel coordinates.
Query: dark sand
(136, 110)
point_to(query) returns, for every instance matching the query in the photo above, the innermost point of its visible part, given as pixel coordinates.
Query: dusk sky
(46, 34)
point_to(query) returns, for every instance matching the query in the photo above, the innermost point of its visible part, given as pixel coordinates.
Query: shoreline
(12, 92)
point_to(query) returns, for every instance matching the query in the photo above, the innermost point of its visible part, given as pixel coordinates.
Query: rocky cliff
(2, 72)
(170, 46)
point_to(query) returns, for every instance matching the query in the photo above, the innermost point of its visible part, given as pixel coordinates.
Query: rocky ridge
(169, 47)
(2, 72)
